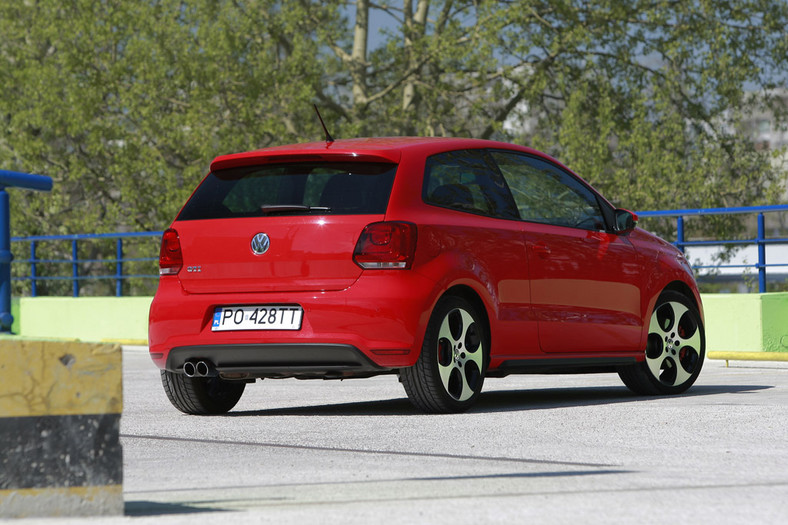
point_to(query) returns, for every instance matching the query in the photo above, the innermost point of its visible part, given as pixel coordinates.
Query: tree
(639, 97)
(125, 103)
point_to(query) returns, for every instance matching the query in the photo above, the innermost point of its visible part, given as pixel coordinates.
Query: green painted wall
(734, 322)
(15, 313)
(774, 316)
(746, 322)
(123, 319)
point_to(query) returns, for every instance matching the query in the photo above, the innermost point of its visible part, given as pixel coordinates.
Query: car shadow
(386, 407)
(537, 399)
(499, 401)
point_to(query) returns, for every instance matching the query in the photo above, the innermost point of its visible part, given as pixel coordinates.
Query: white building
(763, 127)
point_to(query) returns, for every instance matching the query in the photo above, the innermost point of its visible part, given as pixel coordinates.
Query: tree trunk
(358, 64)
(415, 27)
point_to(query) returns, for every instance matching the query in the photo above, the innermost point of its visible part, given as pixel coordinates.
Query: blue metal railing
(76, 276)
(760, 240)
(120, 262)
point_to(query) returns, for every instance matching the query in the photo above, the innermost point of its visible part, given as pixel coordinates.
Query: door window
(545, 193)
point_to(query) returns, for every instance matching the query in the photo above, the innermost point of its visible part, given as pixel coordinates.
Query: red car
(443, 261)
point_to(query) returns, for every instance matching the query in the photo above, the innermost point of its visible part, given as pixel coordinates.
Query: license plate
(265, 317)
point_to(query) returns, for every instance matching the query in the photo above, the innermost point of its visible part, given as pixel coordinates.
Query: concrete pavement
(547, 449)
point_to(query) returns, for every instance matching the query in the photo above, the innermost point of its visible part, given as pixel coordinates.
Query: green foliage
(124, 103)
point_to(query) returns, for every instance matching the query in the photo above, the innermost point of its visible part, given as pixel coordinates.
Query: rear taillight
(386, 245)
(170, 257)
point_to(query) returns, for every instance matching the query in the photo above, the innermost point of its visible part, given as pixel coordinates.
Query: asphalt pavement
(538, 449)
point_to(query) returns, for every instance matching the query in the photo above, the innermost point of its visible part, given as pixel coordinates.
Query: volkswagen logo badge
(260, 243)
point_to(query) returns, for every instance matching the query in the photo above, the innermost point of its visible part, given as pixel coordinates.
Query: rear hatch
(280, 227)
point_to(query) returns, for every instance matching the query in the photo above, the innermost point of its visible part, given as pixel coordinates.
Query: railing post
(74, 268)
(17, 180)
(761, 254)
(6, 319)
(119, 267)
(33, 273)
(680, 233)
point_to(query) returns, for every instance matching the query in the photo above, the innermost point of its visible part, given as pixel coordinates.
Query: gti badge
(260, 243)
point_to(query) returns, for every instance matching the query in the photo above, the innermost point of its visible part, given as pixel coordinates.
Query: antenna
(329, 138)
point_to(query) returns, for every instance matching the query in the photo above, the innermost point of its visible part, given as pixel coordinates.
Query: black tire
(449, 374)
(201, 396)
(675, 349)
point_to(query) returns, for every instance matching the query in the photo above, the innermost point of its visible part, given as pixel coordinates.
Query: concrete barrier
(60, 407)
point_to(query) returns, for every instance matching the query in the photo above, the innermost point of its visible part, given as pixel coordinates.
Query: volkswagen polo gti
(442, 261)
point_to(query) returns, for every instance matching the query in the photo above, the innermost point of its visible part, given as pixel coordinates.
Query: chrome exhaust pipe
(202, 369)
(199, 369)
(189, 369)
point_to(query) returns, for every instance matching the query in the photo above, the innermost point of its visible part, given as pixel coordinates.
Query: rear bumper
(375, 325)
(304, 361)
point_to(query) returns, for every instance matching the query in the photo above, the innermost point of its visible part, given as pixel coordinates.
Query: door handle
(541, 250)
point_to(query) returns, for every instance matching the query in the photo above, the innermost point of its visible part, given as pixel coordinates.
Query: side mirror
(625, 221)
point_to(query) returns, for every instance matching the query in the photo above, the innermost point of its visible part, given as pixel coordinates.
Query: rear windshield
(308, 188)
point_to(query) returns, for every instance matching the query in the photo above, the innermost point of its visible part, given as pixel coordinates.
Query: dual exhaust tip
(199, 369)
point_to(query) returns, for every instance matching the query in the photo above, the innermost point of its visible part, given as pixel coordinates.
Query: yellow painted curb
(748, 356)
(62, 501)
(129, 342)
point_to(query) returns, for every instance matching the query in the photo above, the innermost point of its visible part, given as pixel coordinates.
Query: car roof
(373, 149)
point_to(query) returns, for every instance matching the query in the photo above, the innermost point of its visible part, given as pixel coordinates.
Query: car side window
(467, 180)
(547, 194)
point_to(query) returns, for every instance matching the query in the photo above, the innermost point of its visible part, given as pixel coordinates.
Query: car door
(486, 240)
(583, 277)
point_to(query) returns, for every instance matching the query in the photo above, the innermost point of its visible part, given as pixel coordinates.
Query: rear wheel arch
(463, 291)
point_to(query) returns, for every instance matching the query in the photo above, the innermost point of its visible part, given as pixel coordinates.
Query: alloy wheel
(674, 342)
(460, 354)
